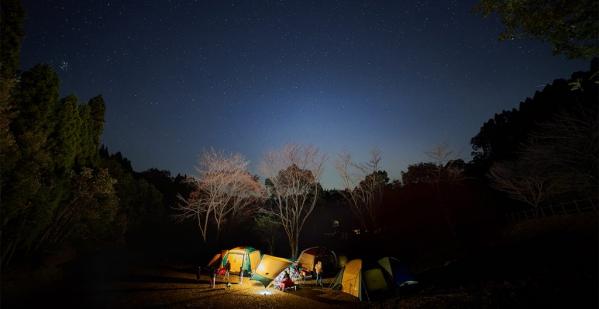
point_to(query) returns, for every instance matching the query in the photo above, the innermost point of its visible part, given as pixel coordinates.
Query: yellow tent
(244, 259)
(310, 256)
(306, 260)
(360, 280)
(269, 268)
(352, 278)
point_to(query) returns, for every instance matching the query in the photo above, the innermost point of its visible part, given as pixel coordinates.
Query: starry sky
(179, 77)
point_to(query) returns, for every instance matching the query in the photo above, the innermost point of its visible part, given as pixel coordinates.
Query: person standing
(227, 270)
(318, 271)
(213, 271)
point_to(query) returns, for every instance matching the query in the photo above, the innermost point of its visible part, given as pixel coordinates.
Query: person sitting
(286, 283)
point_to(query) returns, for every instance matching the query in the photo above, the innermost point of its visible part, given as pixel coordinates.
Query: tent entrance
(236, 260)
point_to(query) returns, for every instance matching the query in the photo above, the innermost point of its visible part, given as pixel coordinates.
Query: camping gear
(397, 270)
(308, 258)
(294, 273)
(269, 268)
(363, 280)
(242, 259)
(286, 284)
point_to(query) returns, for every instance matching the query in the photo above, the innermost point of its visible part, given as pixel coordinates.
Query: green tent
(244, 259)
(363, 280)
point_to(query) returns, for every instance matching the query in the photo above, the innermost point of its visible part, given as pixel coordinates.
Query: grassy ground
(178, 288)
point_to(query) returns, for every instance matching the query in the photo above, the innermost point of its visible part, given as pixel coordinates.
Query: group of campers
(363, 279)
(286, 280)
(289, 278)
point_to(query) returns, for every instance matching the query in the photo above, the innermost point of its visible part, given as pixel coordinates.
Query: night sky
(248, 76)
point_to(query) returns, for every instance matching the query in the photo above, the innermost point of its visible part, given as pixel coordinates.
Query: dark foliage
(500, 138)
(571, 26)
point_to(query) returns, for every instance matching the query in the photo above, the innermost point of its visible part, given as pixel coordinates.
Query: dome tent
(309, 257)
(364, 280)
(244, 259)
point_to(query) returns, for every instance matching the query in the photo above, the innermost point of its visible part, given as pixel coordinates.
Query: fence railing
(562, 209)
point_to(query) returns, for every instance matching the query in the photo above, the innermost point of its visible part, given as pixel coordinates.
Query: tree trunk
(293, 246)
(203, 232)
(218, 240)
(271, 245)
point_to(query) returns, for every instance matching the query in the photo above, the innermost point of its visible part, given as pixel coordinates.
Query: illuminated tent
(308, 258)
(363, 280)
(269, 268)
(397, 270)
(244, 259)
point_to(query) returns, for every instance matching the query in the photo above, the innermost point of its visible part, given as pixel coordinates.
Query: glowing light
(409, 283)
(265, 292)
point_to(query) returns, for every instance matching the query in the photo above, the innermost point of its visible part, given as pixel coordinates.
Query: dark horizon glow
(250, 77)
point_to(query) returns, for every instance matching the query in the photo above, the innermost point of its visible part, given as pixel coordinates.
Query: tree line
(58, 185)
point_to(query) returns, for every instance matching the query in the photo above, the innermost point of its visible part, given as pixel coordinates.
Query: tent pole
(363, 284)
(241, 270)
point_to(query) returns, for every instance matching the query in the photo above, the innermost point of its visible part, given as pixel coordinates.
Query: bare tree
(224, 186)
(448, 170)
(195, 207)
(558, 162)
(566, 149)
(529, 187)
(293, 175)
(363, 187)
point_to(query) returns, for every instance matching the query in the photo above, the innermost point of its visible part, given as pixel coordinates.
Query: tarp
(269, 268)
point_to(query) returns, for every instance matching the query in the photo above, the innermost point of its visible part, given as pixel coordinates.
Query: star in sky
(64, 65)
(248, 77)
